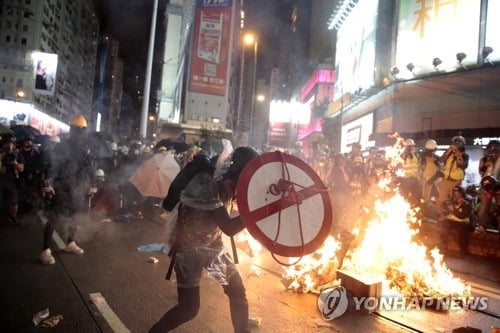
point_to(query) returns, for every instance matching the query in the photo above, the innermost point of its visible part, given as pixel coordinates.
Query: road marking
(114, 322)
(58, 240)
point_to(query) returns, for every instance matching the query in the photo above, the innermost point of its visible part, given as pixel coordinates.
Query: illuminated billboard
(284, 115)
(212, 29)
(429, 29)
(45, 70)
(355, 56)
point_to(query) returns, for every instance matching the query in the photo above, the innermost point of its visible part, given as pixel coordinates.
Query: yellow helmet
(79, 121)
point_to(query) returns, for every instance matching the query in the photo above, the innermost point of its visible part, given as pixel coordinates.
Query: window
(7, 39)
(25, 28)
(23, 41)
(3, 79)
(27, 2)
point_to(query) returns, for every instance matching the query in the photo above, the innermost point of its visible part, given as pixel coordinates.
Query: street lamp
(261, 98)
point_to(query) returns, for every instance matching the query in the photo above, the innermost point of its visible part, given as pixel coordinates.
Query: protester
(71, 173)
(455, 160)
(202, 217)
(458, 212)
(429, 169)
(31, 177)
(489, 166)
(410, 181)
(12, 164)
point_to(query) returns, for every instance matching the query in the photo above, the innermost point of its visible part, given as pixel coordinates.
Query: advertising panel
(44, 75)
(492, 29)
(355, 57)
(46, 124)
(285, 120)
(212, 30)
(26, 114)
(358, 131)
(429, 29)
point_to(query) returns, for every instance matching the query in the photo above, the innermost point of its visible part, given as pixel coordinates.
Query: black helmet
(240, 158)
(489, 183)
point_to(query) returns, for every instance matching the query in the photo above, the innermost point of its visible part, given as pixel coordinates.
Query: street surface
(138, 294)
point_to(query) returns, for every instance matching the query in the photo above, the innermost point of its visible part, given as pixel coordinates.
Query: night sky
(129, 22)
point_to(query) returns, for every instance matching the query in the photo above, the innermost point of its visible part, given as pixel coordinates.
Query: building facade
(108, 87)
(425, 70)
(62, 32)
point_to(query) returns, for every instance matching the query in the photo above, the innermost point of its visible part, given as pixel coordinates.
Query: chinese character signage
(210, 54)
(355, 57)
(45, 69)
(429, 29)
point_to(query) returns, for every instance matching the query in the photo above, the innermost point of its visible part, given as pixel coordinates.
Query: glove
(92, 190)
(48, 191)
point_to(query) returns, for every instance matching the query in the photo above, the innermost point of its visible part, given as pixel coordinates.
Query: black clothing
(189, 305)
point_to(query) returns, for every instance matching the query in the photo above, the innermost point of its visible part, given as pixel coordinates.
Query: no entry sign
(284, 204)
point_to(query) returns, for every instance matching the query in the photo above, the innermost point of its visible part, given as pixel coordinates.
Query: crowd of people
(426, 178)
(54, 178)
(61, 177)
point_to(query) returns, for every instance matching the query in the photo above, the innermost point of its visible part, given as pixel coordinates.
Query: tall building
(198, 69)
(108, 88)
(55, 33)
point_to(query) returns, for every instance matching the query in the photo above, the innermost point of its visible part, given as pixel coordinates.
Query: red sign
(279, 134)
(209, 66)
(284, 204)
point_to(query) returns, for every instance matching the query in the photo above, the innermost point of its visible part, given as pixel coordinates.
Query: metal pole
(238, 127)
(252, 110)
(147, 80)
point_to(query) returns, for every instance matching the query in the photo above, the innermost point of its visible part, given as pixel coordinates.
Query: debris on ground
(154, 247)
(253, 272)
(40, 315)
(52, 321)
(153, 260)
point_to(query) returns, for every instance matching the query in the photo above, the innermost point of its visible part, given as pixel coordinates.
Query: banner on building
(212, 30)
(45, 70)
(355, 55)
(437, 29)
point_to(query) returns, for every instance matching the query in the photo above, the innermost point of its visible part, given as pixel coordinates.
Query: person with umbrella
(11, 165)
(71, 173)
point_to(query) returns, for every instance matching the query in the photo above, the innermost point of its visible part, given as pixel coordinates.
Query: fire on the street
(384, 251)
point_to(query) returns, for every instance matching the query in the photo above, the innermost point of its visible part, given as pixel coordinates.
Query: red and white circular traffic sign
(285, 225)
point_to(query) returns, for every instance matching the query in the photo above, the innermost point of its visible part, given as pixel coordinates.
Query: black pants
(189, 304)
(63, 207)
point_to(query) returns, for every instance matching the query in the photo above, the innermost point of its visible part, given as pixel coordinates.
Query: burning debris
(385, 250)
(315, 271)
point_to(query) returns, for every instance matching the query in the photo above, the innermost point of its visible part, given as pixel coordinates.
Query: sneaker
(73, 248)
(47, 258)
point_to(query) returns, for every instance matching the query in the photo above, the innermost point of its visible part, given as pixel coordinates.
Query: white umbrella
(154, 176)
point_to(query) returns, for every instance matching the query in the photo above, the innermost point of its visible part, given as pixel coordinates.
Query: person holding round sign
(201, 219)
